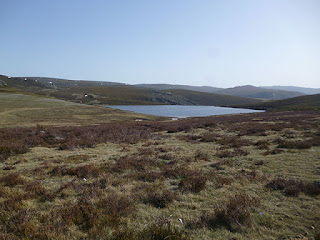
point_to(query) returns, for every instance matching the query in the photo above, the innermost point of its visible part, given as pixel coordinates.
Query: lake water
(180, 111)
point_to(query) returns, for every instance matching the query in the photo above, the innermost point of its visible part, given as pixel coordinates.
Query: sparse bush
(162, 229)
(272, 152)
(262, 144)
(36, 190)
(220, 181)
(208, 137)
(293, 187)
(231, 153)
(148, 176)
(155, 194)
(84, 171)
(201, 155)
(12, 149)
(138, 163)
(12, 179)
(294, 144)
(234, 215)
(193, 183)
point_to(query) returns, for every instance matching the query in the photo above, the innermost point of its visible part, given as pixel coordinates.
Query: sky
(223, 43)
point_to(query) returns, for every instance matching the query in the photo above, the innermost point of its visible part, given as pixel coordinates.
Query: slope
(206, 89)
(257, 92)
(309, 102)
(26, 109)
(119, 94)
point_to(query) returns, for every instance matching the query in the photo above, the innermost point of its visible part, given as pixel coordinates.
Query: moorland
(76, 171)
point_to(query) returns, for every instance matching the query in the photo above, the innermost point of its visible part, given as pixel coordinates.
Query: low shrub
(84, 171)
(293, 187)
(201, 155)
(147, 176)
(12, 149)
(193, 183)
(155, 194)
(233, 215)
(272, 152)
(162, 229)
(262, 144)
(294, 144)
(133, 162)
(12, 179)
(36, 190)
(231, 153)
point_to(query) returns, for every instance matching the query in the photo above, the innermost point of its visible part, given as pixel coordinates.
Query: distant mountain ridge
(248, 91)
(296, 89)
(206, 89)
(257, 92)
(109, 93)
(159, 91)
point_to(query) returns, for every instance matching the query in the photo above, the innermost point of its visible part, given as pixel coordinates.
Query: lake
(181, 111)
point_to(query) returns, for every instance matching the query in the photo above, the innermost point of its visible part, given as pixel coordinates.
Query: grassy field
(19, 108)
(254, 176)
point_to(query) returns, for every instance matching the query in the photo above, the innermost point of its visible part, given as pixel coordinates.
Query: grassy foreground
(254, 176)
(23, 109)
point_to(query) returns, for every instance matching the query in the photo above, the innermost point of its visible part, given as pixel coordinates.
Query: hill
(296, 89)
(309, 102)
(107, 93)
(18, 108)
(208, 99)
(206, 89)
(257, 92)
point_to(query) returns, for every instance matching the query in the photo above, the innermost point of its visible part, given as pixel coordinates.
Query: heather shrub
(147, 176)
(133, 162)
(293, 187)
(272, 152)
(193, 183)
(298, 144)
(207, 137)
(201, 155)
(312, 188)
(12, 149)
(220, 181)
(231, 153)
(12, 179)
(114, 206)
(36, 190)
(175, 171)
(233, 141)
(84, 171)
(155, 194)
(234, 214)
(262, 144)
(162, 229)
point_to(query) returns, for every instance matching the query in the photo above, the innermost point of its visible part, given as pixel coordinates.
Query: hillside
(18, 108)
(257, 92)
(106, 93)
(206, 89)
(309, 102)
(208, 99)
(295, 89)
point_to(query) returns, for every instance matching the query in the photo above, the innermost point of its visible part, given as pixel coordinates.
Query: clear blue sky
(222, 43)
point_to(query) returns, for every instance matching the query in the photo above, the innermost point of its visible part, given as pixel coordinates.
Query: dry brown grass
(137, 181)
